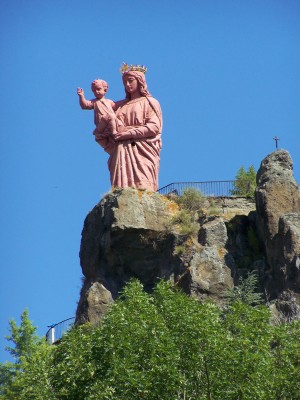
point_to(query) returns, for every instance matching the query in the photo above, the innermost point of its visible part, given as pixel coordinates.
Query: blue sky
(225, 72)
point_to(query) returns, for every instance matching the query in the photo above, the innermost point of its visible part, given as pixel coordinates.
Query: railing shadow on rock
(56, 331)
(209, 188)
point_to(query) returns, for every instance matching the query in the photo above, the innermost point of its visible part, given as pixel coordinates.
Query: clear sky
(227, 75)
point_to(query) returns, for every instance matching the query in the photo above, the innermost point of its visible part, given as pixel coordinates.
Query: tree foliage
(245, 182)
(164, 345)
(27, 376)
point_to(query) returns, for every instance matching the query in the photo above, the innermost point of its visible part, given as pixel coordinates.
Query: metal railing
(56, 331)
(209, 189)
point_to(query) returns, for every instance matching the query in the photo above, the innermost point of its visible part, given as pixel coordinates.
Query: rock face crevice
(129, 234)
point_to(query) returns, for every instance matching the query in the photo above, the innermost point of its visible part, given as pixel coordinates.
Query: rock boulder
(129, 234)
(278, 209)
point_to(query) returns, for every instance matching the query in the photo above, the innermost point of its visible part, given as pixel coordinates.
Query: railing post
(53, 334)
(56, 331)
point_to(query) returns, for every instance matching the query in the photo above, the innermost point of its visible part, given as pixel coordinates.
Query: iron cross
(276, 140)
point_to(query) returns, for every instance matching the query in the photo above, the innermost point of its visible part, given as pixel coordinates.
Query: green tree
(249, 362)
(196, 330)
(286, 354)
(245, 182)
(26, 377)
(23, 337)
(165, 345)
(139, 357)
(74, 366)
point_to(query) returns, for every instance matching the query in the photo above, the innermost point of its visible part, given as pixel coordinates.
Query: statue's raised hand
(80, 91)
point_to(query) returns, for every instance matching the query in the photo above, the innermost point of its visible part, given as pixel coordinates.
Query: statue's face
(99, 91)
(131, 84)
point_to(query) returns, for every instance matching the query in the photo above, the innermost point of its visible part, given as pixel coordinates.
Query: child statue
(104, 116)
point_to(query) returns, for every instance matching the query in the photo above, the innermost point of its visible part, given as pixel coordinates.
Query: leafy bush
(185, 222)
(213, 209)
(245, 291)
(191, 200)
(191, 203)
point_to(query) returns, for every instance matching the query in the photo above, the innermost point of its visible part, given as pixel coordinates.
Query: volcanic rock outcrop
(278, 221)
(131, 234)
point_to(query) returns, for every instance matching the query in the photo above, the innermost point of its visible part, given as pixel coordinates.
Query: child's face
(99, 91)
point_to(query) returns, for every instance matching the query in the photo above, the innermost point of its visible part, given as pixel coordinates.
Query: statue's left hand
(122, 134)
(125, 135)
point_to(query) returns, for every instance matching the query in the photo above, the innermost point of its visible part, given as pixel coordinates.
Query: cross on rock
(276, 140)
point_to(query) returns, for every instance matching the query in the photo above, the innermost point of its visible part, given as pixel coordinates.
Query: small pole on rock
(276, 140)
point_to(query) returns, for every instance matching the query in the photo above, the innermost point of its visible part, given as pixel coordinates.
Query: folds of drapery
(135, 162)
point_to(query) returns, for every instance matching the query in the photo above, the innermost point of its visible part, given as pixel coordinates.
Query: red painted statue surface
(129, 131)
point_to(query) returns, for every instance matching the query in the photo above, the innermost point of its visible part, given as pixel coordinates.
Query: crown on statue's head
(127, 68)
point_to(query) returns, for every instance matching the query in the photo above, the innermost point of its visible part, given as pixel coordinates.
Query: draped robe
(134, 162)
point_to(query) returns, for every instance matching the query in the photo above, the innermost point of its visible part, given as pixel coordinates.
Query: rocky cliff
(134, 233)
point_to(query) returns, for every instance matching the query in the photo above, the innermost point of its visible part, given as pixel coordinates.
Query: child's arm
(84, 104)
